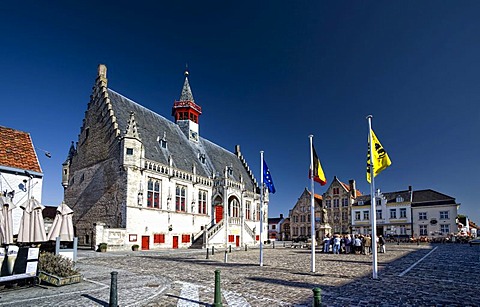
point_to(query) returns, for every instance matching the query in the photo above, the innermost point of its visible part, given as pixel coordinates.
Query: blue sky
(267, 74)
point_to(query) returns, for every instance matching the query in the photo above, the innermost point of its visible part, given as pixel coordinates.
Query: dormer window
(360, 202)
(399, 199)
(163, 143)
(202, 158)
(129, 151)
(230, 171)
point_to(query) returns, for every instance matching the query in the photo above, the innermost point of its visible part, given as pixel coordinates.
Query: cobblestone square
(408, 275)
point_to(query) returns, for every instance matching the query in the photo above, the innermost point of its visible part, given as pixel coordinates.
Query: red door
(145, 242)
(218, 213)
(237, 241)
(175, 241)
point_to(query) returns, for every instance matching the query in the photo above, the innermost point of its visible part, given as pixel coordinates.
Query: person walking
(381, 243)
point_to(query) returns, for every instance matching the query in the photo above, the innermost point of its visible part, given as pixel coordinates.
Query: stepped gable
(247, 168)
(184, 154)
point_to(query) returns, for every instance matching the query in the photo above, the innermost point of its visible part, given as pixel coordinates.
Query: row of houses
(343, 209)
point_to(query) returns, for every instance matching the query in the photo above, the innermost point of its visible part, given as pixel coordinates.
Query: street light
(47, 153)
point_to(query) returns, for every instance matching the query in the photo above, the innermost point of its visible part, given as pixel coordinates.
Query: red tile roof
(17, 151)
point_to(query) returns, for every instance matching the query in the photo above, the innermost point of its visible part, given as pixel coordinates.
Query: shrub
(56, 265)
(102, 246)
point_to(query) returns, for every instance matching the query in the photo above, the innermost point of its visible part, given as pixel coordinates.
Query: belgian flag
(318, 175)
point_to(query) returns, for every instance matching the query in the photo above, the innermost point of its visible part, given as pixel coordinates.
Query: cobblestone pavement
(408, 275)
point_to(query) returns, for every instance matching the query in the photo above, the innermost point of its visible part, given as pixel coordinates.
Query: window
(379, 202)
(274, 226)
(403, 230)
(163, 143)
(393, 213)
(202, 158)
(444, 215)
(231, 238)
(247, 210)
(181, 198)
(399, 199)
(153, 193)
(379, 214)
(328, 203)
(336, 203)
(185, 238)
(344, 202)
(360, 202)
(357, 216)
(258, 212)
(423, 230)
(422, 215)
(158, 238)
(302, 219)
(366, 215)
(445, 228)
(308, 218)
(344, 216)
(202, 202)
(129, 151)
(403, 212)
(336, 191)
(235, 208)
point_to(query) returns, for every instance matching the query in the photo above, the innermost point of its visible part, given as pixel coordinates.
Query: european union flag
(267, 178)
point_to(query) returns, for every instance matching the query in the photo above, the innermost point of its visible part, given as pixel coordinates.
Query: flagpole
(373, 199)
(261, 207)
(312, 206)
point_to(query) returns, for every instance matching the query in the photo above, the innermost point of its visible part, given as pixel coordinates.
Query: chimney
(281, 216)
(353, 188)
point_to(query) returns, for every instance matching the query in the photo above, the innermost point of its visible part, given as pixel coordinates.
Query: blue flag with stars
(267, 178)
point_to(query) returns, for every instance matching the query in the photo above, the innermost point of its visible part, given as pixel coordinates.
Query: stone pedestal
(323, 229)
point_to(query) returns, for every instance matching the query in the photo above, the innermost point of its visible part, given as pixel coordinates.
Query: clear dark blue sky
(267, 74)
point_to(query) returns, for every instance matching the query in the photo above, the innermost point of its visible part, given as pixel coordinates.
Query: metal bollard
(225, 258)
(283, 244)
(217, 302)
(246, 248)
(113, 290)
(317, 298)
(213, 250)
(273, 244)
(229, 248)
(207, 253)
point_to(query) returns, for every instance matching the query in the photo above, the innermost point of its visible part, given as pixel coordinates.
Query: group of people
(351, 244)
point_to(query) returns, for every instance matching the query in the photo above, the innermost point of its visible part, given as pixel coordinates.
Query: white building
(20, 174)
(135, 177)
(403, 214)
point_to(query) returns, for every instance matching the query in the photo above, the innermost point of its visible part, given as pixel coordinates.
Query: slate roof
(431, 198)
(17, 151)
(391, 197)
(185, 153)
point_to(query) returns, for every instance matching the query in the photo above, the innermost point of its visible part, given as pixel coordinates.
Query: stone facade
(300, 215)
(157, 184)
(337, 201)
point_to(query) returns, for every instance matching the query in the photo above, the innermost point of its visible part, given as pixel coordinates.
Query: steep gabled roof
(17, 151)
(184, 154)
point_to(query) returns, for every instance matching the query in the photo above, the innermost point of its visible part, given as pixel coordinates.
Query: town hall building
(137, 178)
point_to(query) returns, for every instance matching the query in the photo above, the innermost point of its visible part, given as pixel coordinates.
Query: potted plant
(57, 270)
(102, 247)
(135, 247)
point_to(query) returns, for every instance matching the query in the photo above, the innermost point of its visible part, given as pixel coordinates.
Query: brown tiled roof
(317, 196)
(16, 150)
